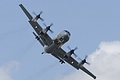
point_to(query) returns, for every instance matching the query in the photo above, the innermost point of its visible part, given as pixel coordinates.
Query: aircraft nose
(67, 33)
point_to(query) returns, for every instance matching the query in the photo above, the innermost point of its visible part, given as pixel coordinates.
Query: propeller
(72, 50)
(39, 15)
(84, 60)
(48, 27)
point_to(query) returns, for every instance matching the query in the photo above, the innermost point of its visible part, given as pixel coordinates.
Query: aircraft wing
(73, 62)
(87, 71)
(60, 52)
(26, 12)
(46, 39)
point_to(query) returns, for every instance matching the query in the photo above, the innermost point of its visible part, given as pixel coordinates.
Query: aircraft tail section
(26, 12)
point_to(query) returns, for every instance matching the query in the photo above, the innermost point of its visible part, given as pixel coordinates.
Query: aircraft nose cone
(67, 33)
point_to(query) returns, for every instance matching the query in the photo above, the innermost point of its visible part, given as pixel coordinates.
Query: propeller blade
(79, 58)
(86, 57)
(75, 48)
(41, 19)
(34, 13)
(74, 54)
(40, 12)
(51, 31)
(69, 47)
(88, 63)
(51, 24)
(72, 50)
(48, 27)
(45, 25)
(39, 15)
(84, 60)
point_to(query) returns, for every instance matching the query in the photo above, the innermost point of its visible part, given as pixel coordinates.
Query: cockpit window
(67, 32)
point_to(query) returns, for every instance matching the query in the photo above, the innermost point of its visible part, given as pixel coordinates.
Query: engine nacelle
(66, 56)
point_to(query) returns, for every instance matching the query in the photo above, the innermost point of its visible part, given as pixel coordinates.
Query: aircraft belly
(51, 48)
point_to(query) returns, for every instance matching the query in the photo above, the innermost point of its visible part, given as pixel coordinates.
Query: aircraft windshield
(67, 32)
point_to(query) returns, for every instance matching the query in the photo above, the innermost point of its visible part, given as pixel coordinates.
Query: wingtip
(95, 77)
(20, 4)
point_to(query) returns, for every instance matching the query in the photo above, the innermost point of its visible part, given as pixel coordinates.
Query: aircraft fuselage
(61, 39)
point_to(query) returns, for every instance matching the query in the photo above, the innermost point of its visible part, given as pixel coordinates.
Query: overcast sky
(94, 26)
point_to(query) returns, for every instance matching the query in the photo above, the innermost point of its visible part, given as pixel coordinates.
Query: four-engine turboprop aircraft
(53, 46)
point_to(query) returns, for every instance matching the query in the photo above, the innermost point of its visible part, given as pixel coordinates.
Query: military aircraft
(53, 46)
